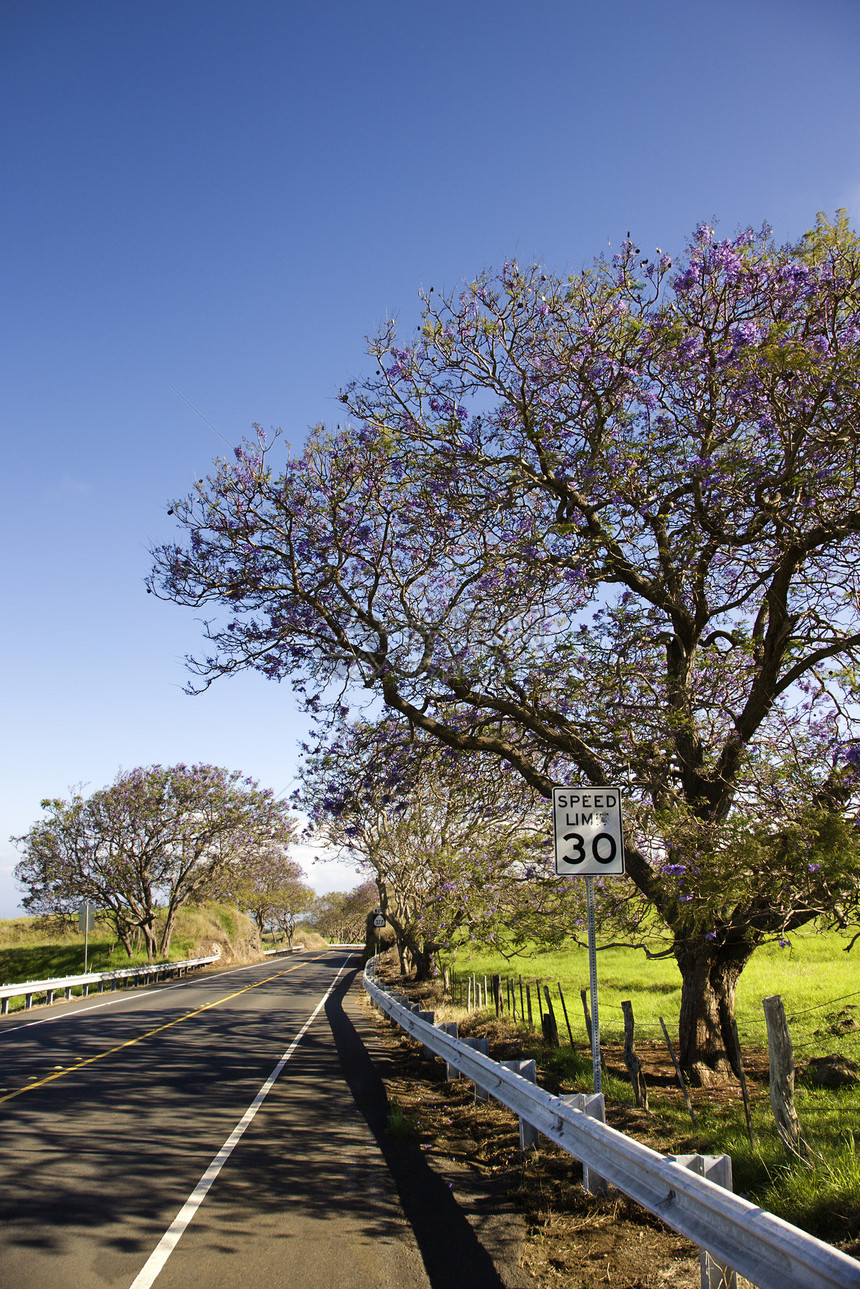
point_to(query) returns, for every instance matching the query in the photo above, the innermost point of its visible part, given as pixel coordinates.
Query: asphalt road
(222, 1131)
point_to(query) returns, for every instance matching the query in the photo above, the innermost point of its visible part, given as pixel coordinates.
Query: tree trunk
(167, 935)
(124, 934)
(149, 936)
(421, 956)
(709, 976)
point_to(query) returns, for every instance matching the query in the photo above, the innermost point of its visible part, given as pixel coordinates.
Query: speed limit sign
(587, 831)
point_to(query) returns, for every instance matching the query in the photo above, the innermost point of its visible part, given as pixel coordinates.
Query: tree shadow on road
(453, 1255)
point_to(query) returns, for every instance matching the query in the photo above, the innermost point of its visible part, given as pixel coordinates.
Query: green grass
(815, 977)
(399, 1125)
(29, 952)
(820, 987)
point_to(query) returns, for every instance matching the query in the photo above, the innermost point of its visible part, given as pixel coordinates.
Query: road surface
(225, 1131)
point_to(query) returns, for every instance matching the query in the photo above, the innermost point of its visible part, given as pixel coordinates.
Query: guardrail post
(428, 1053)
(592, 1104)
(449, 1027)
(49, 997)
(481, 1045)
(4, 1006)
(528, 1132)
(28, 1001)
(718, 1169)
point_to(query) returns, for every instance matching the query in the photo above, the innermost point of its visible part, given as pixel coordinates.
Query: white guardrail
(29, 989)
(769, 1252)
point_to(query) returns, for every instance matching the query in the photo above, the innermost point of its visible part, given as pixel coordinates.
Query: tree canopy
(149, 842)
(271, 888)
(455, 851)
(603, 527)
(342, 915)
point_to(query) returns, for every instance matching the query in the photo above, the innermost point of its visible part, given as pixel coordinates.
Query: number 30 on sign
(587, 830)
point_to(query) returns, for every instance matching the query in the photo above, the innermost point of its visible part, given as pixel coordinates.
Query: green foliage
(822, 1196)
(830, 239)
(154, 839)
(342, 915)
(399, 1125)
(226, 918)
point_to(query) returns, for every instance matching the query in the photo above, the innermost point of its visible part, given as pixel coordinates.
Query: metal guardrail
(769, 1252)
(29, 989)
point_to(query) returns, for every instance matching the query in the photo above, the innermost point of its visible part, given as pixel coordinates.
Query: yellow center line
(81, 1061)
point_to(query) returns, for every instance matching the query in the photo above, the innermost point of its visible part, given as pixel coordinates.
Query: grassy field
(815, 977)
(29, 952)
(820, 986)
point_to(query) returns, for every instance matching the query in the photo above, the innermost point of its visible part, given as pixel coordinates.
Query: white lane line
(168, 1242)
(126, 995)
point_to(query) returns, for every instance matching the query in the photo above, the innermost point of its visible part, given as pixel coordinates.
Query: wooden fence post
(782, 1076)
(548, 1021)
(496, 986)
(743, 1079)
(678, 1075)
(631, 1060)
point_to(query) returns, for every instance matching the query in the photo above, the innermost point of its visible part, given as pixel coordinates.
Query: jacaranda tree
(272, 889)
(342, 915)
(605, 529)
(142, 847)
(456, 849)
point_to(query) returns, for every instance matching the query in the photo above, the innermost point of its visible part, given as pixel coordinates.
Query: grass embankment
(28, 951)
(820, 988)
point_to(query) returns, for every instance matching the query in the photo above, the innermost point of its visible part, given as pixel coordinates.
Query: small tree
(454, 847)
(605, 528)
(142, 847)
(342, 915)
(271, 889)
(293, 902)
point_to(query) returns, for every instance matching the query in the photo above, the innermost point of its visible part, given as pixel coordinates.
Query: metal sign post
(592, 983)
(588, 842)
(87, 923)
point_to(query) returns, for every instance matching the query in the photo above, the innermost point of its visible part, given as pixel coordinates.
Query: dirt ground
(574, 1240)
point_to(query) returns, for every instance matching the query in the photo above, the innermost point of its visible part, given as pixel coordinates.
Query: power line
(197, 410)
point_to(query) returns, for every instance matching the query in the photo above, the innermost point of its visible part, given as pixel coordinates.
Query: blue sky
(227, 197)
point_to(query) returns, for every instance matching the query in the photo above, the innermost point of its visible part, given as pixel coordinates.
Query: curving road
(222, 1131)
